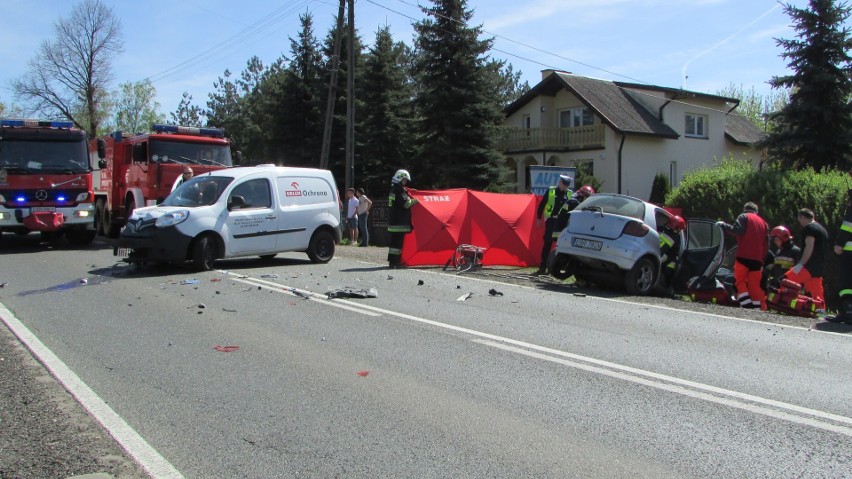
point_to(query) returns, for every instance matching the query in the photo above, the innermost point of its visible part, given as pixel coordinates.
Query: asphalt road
(540, 380)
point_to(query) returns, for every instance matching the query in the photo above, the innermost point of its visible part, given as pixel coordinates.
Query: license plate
(122, 252)
(587, 244)
(37, 209)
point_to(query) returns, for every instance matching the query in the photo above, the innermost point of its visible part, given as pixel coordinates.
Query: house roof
(606, 99)
(741, 130)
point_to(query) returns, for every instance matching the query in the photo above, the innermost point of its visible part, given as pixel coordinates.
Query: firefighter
(783, 254)
(670, 250)
(575, 200)
(808, 271)
(399, 216)
(548, 209)
(752, 245)
(843, 248)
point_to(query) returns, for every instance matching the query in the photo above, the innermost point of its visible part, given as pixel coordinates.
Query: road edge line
(127, 438)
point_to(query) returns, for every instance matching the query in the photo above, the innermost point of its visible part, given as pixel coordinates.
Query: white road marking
(633, 303)
(135, 445)
(296, 292)
(769, 407)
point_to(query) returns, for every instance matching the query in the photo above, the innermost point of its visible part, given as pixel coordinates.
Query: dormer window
(696, 126)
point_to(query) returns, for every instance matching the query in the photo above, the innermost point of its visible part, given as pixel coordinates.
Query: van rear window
(304, 191)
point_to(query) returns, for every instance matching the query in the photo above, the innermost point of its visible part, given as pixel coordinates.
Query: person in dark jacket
(809, 270)
(548, 209)
(569, 206)
(843, 248)
(670, 234)
(783, 254)
(752, 234)
(399, 216)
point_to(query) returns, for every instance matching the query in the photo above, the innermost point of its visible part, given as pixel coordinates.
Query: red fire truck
(45, 180)
(142, 169)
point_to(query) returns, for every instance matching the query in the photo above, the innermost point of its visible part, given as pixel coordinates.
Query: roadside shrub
(659, 189)
(719, 193)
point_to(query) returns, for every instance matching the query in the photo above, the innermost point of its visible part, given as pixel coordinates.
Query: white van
(249, 211)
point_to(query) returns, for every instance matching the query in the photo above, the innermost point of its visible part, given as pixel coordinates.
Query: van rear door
(303, 201)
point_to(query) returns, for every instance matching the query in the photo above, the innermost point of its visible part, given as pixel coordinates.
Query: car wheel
(641, 279)
(204, 253)
(562, 266)
(321, 247)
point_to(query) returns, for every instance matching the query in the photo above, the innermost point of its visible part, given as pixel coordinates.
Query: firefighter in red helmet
(670, 241)
(783, 254)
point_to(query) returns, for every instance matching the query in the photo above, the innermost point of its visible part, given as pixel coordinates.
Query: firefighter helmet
(676, 223)
(585, 191)
(782, 233)
(401, 175)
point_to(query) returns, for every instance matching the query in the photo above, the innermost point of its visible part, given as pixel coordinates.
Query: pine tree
(385, 142)
(458, 101)
(187, 114)
(815, 128)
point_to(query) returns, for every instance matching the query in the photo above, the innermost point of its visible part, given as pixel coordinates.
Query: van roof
(240, 171)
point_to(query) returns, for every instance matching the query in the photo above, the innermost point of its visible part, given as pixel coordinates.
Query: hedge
(719, 193)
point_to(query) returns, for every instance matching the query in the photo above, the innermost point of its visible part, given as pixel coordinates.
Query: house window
(696, 125)
(575, 117)
(526, 122)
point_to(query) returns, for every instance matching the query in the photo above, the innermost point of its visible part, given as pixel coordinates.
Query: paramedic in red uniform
(752, 234)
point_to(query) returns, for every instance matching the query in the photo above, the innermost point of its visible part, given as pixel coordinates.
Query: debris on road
(580, 295)
(227, 310)
(298, 293)
(363, 374)
(3, 285)
(494, 292)
(269, 276)
(420, 282)
(226, 349)
(84, 281)
(215, 280)
(390, 277)
(199, 306)
(464, 297)
(190, 281)
(349, 292)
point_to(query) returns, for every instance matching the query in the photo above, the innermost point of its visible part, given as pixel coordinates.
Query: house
(623, 133)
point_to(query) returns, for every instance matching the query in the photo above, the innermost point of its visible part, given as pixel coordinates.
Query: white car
(248, 211)
(614, 238)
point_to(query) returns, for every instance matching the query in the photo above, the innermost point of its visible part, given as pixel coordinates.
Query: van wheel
(562, 266)
(641, 279)
(204, 253)
(321, 248)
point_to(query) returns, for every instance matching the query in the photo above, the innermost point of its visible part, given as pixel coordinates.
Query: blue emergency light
(21, 199)
(188, 130)
(60, 198)
(36, 123)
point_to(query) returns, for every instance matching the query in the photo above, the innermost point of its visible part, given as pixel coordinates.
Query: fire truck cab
(45, 180)
(141, 169)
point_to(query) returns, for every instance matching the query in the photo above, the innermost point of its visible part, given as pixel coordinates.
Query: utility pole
(350, 101)
(332, 87)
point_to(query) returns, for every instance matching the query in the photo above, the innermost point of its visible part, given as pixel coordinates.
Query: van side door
(251, 218)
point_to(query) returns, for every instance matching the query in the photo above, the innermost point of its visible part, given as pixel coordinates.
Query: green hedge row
(720, 192)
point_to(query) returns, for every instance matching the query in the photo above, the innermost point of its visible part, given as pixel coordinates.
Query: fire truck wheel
(80, 237)
(110, 230)
(99, 217)
(204, 253)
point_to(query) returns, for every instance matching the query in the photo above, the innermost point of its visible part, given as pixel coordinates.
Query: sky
(185, 45)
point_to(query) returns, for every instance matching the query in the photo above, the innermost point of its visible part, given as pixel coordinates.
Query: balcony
(555, 139)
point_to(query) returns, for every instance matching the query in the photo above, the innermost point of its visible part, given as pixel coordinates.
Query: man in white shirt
(364, 205)
(352, 215)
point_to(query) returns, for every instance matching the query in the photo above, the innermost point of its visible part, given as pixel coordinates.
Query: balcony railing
(581, 137)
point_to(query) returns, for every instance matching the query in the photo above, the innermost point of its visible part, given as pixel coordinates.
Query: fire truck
(45, 180)
(142, 169)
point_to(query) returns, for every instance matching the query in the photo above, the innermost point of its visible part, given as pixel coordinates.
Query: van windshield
(199, 191)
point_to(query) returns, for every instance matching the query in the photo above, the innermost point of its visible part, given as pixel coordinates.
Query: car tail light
(635, 228)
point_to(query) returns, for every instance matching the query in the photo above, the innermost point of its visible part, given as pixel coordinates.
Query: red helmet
(676, 223)
(782, 233)
(585, 191)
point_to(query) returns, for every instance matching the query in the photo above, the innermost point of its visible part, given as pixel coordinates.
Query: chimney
(549, 71)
